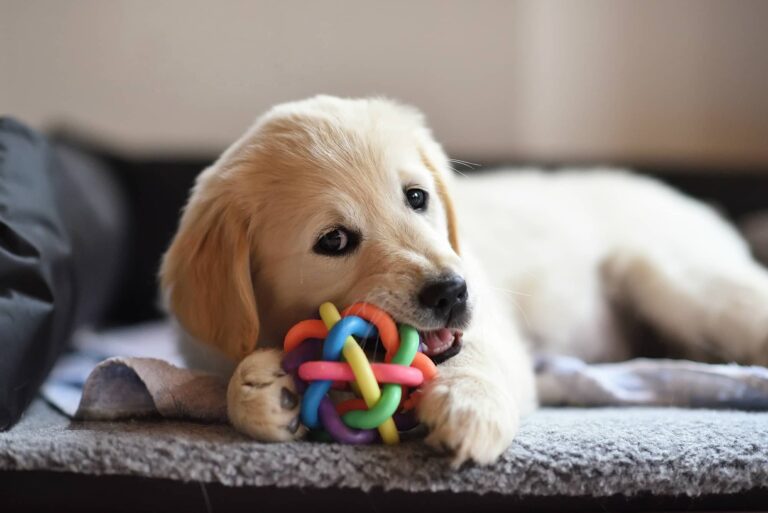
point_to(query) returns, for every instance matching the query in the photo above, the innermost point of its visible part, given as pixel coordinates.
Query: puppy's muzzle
(445, 298)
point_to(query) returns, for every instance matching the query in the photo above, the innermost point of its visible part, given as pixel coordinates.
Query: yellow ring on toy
(361, 368)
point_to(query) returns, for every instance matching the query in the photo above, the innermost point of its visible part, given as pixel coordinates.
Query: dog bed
(607, 452)
(567, 452)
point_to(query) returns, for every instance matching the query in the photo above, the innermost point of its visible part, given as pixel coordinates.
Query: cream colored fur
(547, 257)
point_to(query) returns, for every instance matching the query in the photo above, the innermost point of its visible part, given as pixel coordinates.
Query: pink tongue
(438, 341)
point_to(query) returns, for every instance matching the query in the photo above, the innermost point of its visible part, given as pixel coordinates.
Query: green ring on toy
(391, 393)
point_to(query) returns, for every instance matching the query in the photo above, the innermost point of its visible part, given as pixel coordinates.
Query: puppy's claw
(294, 425)
(288, 400)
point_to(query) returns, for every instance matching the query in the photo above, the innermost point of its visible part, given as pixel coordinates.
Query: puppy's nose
(445, 295)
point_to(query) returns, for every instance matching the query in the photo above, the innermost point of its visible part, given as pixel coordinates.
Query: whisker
(520, 309)
(301, 269)
(458, 172)
(465, 163)
(510, 291)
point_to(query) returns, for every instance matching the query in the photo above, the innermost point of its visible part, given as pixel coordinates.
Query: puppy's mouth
(440, 344)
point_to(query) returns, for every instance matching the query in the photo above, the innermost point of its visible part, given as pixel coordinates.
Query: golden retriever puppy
(345, 200)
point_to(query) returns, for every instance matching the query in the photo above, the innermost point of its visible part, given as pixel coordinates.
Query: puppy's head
(325, 199)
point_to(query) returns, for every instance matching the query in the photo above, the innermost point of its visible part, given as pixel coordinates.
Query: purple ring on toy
(405, 420)
(338, 430)
(308, 350)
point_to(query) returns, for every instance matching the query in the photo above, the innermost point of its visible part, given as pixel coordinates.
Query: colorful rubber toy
(314, 352)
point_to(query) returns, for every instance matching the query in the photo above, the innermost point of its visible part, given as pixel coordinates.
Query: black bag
(62, 234)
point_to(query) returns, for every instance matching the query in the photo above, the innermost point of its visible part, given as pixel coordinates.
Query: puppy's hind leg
(714, 306)
(261, 399)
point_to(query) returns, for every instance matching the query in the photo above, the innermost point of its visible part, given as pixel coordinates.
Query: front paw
(262, 401)
(470, 416)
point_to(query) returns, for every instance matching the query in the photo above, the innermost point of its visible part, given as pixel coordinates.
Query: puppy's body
(571, 251)
(546, 260)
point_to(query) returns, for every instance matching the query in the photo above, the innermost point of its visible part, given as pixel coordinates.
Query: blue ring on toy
(332, 347)
(347, 326)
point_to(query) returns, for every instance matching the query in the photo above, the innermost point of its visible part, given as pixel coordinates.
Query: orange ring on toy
(389, 336)
(312, 328)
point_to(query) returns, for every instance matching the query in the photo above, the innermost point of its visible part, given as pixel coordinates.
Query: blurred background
(677, 89)
(680, 83)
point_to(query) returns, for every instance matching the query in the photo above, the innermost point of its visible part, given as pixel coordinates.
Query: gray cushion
(573, 452)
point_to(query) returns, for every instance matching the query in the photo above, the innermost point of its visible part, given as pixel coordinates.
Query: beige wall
(554, 80)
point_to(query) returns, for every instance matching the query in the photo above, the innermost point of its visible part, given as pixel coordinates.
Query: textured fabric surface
(567, 381)
(126, 388)
(568, 451)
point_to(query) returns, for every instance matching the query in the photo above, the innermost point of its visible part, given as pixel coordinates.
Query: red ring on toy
(339, 371)
(349, 405)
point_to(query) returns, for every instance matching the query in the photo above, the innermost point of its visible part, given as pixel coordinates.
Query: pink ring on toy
(338, 371)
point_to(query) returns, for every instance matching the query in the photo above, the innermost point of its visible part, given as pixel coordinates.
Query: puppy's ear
(206, 274)
(436, 161)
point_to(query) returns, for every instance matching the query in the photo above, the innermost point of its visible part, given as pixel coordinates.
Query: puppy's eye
(337, 242)
(417, 198)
